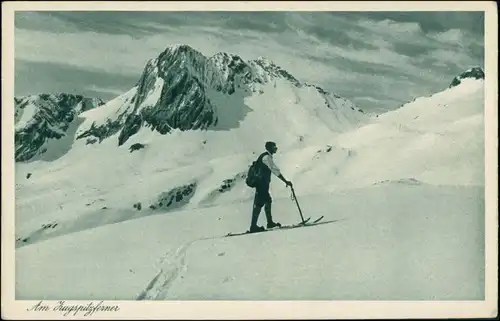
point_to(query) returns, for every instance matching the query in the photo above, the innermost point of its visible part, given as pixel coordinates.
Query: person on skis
(262, 197)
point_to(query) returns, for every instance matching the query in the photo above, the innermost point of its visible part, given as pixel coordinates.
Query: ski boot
(256, 228)
(273, 224)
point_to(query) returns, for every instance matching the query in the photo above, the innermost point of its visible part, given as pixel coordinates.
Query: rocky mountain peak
(224, 62)
(474, 73)
(177, 90)
(181, 57)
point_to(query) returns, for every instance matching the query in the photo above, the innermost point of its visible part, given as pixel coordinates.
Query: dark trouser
(262, 198)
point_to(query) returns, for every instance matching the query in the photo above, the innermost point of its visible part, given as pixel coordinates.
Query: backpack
(254, 175)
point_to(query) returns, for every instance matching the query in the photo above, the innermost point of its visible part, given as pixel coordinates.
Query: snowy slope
(405, 192)
(376, 248)
(437, 139)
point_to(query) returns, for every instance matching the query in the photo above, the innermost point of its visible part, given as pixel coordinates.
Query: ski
(318, 219)
(284, 227)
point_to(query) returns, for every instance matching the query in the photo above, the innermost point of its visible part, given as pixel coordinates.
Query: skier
(262, 196)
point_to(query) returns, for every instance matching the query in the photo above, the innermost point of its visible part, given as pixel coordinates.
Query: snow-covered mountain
(45, 117)
(182, 89)
(142, 213)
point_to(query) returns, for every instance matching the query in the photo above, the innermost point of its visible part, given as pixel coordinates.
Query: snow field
(405, 192)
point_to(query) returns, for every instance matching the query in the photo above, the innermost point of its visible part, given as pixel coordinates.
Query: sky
(378, 60)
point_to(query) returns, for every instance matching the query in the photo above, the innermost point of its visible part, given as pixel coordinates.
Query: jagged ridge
(41, 117)
(172, 91)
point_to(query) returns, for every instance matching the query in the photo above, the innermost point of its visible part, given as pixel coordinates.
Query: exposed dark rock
(91, 140)
(136, 146)
(51, 116)
(102, 131)
(320, 90)
(475, 73)
(175, 198)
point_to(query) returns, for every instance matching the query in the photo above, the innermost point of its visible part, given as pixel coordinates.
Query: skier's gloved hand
(288, 183)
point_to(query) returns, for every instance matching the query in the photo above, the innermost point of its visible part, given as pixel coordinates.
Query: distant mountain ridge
(180, 89)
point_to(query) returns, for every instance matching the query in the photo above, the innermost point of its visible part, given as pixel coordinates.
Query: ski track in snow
(173, 263)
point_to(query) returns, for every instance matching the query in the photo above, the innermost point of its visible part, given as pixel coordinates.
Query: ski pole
(298, 206)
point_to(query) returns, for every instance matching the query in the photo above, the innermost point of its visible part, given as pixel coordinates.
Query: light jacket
(268, 160)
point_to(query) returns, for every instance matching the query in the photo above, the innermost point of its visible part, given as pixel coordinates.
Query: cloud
(451, 57)
(453, 36)
(43, 22)
(431, 21)
(109, 91)
(377, 106)
(353, 54)
(127, 55)
(376, 51)
(42, 77)
(118, 54)
(447, 52)
(123, 53)
(391, 27)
